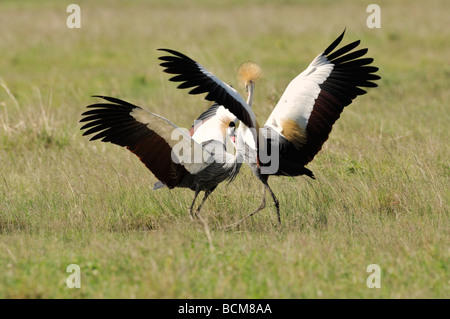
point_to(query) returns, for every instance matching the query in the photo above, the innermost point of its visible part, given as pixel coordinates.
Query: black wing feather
(113, 122)
(190, 74)
(352, 72)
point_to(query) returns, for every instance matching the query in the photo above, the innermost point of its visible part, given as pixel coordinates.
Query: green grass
(382, 189)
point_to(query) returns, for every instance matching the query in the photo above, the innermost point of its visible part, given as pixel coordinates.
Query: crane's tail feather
(158, 185)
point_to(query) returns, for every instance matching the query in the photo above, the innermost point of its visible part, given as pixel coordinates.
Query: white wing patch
(298, 99)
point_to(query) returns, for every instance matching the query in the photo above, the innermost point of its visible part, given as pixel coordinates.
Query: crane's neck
(250, 88)
(246, 149)
(245, 141)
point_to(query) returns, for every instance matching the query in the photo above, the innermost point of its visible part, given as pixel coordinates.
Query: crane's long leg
(207, 193)
(261, 207)
(275, 201)
(197, 190)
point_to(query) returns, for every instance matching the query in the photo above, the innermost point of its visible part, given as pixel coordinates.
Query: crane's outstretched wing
(314, 100)
(193, 75)
(151, 137)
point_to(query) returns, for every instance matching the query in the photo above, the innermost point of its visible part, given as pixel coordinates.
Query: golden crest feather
(249, 72)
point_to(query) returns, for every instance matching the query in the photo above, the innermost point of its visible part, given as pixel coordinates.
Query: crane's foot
(191, 215)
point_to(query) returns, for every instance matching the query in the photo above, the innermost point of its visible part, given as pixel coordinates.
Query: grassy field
(383, 178)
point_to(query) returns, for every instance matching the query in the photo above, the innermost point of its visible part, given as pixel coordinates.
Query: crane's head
(248, 74)
(231, 131)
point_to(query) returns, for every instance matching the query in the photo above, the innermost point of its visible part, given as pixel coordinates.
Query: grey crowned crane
(303, 118)
(196, 159)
